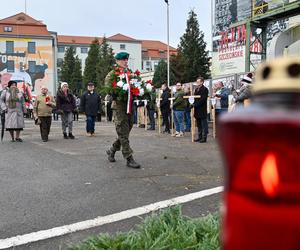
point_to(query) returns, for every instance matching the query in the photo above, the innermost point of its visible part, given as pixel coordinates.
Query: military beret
(121, 56)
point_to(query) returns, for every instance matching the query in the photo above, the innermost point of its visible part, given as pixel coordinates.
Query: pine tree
(193, 49)
(68, 66)
(177, 67)
(77, 76)
(105, 64)
(91, 61)
(161, 75)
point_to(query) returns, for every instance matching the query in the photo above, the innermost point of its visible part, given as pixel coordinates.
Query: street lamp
(168, 41)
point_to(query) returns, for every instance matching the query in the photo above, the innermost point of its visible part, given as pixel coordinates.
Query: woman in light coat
(13, 104)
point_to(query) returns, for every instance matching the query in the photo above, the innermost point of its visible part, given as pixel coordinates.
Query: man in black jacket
(165, 107)
(200, 106)
(90, 104)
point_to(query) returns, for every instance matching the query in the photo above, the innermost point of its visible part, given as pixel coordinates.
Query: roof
(156, 49)
(120, 37)
(62, 39)
(156, 45)
(22, 24)
(21, 18)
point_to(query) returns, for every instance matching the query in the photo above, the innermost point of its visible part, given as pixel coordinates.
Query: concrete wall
(135, 51)
(150, 64)
(286, 43)
(81, 56)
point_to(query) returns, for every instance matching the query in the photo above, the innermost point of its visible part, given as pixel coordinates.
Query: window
(7, 29)
(148, 63)
(61, 49)
(9, 47)
(22, 68)
(59, 62)
(31, 47)
(10, 65)
(31, 66)
(84, 50)
(122, 46)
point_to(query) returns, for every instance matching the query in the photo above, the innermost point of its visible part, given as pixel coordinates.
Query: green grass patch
(167, 230)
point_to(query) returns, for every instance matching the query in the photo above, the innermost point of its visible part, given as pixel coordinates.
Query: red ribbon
(129, 101)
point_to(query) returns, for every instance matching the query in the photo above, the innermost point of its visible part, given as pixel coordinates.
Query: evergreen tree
(77, 76)
(91, 61)
(68, 66)
(193, 50)
(177, 67)
(161, 75)
(105, 63)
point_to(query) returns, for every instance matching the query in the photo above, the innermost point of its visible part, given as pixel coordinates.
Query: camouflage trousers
(123, 123)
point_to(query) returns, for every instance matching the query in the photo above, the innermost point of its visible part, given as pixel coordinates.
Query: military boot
(203, 140)
(131, 163)
(66, 136)
(71, 136)
(111, 155)
(199, 138)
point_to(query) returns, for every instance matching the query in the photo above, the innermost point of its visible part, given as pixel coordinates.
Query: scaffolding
(261, 15)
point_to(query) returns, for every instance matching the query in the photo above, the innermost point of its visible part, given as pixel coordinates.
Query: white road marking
(102, 220)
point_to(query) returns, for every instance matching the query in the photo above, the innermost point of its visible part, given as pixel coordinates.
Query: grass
(168, 230)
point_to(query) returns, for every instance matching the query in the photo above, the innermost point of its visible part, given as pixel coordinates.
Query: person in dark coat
(165, 107)
(109, 112)
(151, 109)
(90, 104)
(200, 106)
(221, 94)
(66, 104)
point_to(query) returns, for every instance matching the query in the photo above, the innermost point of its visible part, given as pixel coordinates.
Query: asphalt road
(47, 185)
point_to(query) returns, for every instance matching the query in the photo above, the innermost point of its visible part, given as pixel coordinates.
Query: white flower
(149, 87)
(122, 76)
(137, 84)
(134, 81)
(120, 84)
(126, 86)
(142, 92)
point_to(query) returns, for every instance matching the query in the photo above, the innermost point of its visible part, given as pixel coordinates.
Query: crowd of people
(68, 106)
(174, 107)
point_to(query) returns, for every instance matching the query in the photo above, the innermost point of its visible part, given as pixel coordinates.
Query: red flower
(135, 91)
(149, 81)
(114, 84)
(137, 72)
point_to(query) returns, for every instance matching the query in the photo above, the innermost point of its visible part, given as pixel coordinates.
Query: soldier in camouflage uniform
(123, 121)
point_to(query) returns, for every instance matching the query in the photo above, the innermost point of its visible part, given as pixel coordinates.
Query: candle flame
(269, 175)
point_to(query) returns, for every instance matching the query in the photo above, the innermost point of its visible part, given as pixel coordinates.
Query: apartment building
(27, 53)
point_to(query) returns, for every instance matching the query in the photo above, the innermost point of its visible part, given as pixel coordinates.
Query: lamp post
(168, 42)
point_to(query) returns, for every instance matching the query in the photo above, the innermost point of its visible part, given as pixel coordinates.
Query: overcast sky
(140, 19)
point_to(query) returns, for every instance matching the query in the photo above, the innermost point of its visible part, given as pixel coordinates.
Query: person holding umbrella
(13, 105)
